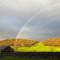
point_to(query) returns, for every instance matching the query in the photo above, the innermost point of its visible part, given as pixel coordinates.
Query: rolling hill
(18, 42)
(52, 42)
(27, 45)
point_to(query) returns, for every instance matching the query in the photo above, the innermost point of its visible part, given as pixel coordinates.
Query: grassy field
(15, 58)
(39, 47)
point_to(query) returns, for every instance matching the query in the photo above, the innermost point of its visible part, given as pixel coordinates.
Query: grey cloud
(21, 7)
(46, 9)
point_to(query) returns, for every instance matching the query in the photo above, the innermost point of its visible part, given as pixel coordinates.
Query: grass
(15, 58)
(39, 47)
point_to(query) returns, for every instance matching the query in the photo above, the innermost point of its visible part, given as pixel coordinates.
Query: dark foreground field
(29, 56)
(15, 58)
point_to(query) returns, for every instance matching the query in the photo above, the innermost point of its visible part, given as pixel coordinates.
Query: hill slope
(18, 42)
(52, 42)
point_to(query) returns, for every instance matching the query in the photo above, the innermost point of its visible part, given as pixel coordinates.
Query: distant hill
(18, 42)
(52, 42)
(7, 42)
(29, 42)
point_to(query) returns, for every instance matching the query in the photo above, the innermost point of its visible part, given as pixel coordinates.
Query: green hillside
(39, 47)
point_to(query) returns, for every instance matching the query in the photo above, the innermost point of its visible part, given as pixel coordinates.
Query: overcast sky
(42, 18)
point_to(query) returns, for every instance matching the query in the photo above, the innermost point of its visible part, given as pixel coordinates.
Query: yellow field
(39, 47)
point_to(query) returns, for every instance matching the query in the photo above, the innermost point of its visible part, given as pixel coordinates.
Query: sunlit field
(39, 47)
